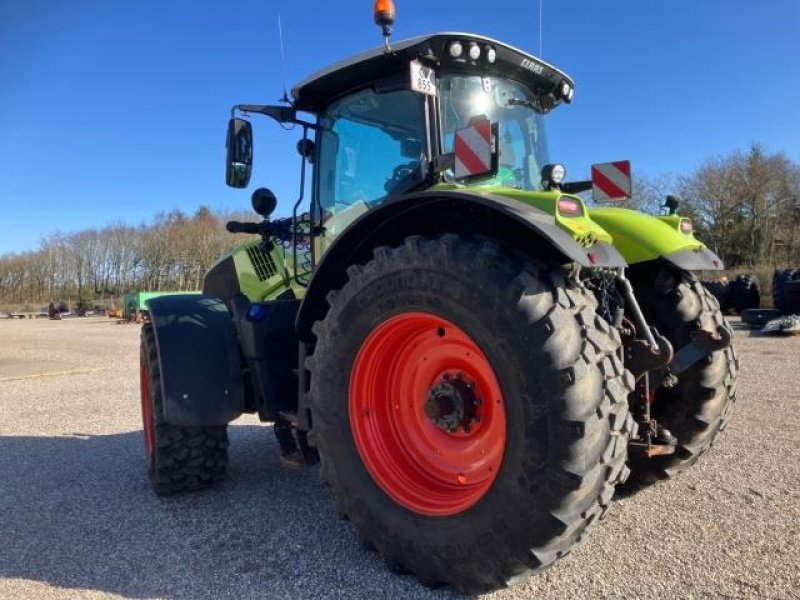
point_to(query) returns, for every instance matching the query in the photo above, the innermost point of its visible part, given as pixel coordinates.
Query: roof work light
(553, 176)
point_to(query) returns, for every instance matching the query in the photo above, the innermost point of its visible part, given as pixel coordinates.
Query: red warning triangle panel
(611, 181)
(473, 149)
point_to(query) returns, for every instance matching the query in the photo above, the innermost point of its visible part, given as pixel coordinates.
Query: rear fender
(198, 354)
(520, 225)
(640, 237)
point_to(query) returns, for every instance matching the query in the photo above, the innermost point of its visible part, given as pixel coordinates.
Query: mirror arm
(576, 187)
(282, 114)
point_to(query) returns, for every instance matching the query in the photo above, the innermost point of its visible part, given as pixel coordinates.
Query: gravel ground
(78, 518)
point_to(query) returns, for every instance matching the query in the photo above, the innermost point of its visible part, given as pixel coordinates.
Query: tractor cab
(402, 110)
(449, 110)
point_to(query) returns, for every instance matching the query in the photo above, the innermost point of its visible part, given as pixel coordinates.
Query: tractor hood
(640, 237)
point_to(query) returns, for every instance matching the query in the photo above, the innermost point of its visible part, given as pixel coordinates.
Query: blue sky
(112, 111)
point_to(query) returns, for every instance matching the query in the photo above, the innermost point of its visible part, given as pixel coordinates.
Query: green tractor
(476, 357)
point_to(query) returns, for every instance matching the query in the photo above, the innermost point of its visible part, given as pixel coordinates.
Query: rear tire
(562, 392)
(179, 459)
(696, 410)
(721, 290)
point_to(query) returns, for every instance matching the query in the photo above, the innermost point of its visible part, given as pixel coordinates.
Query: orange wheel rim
(427, 414)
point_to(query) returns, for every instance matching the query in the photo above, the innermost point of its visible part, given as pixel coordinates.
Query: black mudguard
(430, 213)
(198, 353)
(701, 259)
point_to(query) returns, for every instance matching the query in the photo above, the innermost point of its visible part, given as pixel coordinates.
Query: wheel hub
(451, 403)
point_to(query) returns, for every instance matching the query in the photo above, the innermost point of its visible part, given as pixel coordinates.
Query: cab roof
(546, 81)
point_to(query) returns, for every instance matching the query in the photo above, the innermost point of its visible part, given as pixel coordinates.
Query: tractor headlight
(456, 49)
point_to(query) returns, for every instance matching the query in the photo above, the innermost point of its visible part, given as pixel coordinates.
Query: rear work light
(569, 208)
(686, 226)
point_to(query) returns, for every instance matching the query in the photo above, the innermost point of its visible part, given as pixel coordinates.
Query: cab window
(522, 142)
(372, 143)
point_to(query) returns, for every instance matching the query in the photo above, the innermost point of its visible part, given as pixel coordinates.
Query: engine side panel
(250, 270)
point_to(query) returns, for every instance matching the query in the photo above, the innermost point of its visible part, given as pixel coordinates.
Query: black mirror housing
(239, 155)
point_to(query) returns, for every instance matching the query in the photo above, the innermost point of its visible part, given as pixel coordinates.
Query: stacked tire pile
(745, 293)
(785, 298)
(741, 294)
(720, 289)
(786, 291)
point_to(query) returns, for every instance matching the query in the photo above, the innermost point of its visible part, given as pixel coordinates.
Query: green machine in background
(133, 301)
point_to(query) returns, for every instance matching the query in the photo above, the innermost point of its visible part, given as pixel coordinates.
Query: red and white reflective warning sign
(473, 148)
(611, 181)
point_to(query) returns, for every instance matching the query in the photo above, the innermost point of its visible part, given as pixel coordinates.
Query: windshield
(371, 146)
(522, 142)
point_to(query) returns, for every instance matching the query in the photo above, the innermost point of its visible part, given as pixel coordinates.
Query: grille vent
(263, 264)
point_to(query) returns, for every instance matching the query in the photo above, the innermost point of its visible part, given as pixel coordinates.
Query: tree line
(89, 267)
(745, 206)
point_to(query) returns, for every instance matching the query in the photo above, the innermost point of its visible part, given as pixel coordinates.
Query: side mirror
(264, 202)
(239, 156)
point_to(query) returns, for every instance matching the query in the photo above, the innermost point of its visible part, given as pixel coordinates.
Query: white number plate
(423, 79)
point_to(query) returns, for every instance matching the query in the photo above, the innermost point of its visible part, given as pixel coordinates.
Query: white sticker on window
(423, 79)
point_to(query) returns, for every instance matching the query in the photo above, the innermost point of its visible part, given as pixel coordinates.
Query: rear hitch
(640, 358)
(653, 362)
(643, 358)
(654, 439)
(703, 344)
(651, 448)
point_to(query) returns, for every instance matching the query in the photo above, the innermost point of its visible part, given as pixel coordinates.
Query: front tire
(179, 459)
(475, 503)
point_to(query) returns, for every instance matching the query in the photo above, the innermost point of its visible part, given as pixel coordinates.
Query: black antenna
(283, 62)
(541, 12)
